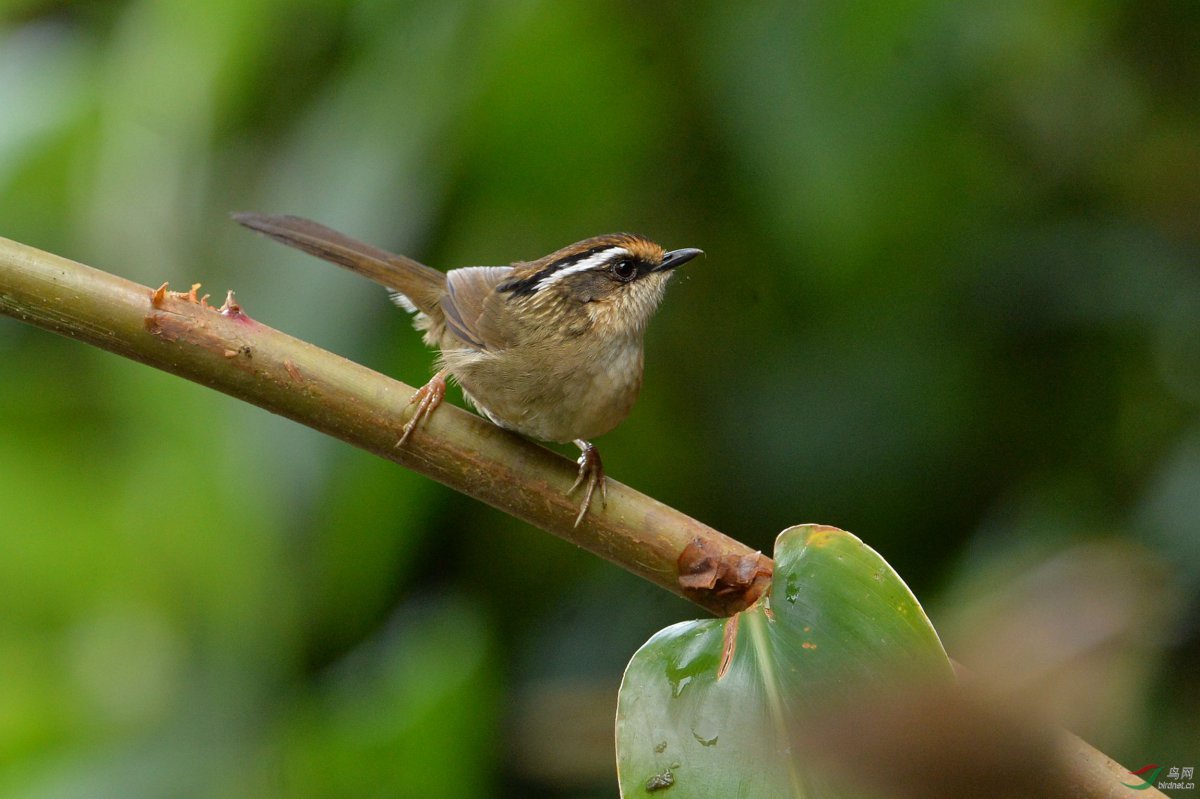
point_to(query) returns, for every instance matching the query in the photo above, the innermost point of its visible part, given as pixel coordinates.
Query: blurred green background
(950, 303)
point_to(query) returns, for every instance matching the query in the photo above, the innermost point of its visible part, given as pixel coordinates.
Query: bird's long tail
(422, 285)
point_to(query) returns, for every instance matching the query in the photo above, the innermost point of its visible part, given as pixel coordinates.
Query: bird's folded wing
(472, 306)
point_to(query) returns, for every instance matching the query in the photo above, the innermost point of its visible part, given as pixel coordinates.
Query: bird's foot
(427, 398)
(591, 475)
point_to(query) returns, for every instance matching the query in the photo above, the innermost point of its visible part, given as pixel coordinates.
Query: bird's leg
(427, 398)
(591, 474)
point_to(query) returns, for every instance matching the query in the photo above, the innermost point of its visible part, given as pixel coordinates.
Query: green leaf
(712, 708)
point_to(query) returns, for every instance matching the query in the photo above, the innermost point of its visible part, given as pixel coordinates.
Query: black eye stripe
(531, 284)
(574, 264)
(571, 260)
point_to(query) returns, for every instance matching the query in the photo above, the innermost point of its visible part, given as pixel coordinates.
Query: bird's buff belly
(580, 400)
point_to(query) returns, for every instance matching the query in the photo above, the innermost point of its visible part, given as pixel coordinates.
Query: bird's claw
(427, 398)
(591, 475)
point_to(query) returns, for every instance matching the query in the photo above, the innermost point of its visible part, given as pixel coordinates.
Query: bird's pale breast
(584, 395)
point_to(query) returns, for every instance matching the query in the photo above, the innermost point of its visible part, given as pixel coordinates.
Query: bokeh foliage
(951, 303)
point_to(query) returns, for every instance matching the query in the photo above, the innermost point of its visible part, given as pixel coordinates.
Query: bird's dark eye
(624, 269)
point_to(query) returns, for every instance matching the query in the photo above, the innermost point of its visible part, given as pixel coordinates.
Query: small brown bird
(551, 348)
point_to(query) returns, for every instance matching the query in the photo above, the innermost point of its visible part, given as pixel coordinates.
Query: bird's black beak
(676, 258)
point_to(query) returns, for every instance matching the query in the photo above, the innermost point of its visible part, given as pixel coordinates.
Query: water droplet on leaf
(792, 589)
(660, 782)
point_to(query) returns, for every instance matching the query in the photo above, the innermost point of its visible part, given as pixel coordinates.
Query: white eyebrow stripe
(591, 262)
